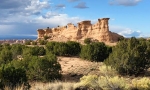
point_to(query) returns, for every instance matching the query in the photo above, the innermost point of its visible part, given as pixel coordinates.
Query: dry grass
(45, 86)
(52, 86)
(141, 84)
(18, 87)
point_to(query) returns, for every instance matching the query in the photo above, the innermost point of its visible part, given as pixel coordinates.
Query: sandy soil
(74, 68)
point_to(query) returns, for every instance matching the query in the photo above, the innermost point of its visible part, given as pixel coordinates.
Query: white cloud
(124, 2)
(21, 7)
(25, 17)
(50, 14)
(61, 20)
(36, 7)
(29, 25)
(126, 32)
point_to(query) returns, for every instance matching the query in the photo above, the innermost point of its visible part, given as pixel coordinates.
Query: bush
(89, 82)
(30, 67)
(46, 37)
(16, 49)
(12, 76)
(37, 51)
(87, 41)
(64, 49)
(121, 38)
(93, 82)
(28, 42)
(97, 51)
(1, 84)
(130, 57)
(42, 42)
(5, 56)
(141, 84)
(34, 51)
(34, 42)
(74, 48)
(61, 49)
(107, 71)
(44, 69)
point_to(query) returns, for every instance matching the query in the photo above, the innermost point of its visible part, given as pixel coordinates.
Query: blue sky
(24, 17)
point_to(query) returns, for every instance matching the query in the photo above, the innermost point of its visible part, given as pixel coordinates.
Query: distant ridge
(17, 37)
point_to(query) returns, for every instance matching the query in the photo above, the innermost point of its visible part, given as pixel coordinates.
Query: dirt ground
(74, 68)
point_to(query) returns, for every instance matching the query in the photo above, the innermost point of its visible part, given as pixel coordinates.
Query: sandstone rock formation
(99, 31)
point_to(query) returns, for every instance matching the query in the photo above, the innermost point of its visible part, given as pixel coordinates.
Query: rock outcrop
(99, 31)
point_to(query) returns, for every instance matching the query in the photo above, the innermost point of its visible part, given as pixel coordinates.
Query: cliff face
(99, 31)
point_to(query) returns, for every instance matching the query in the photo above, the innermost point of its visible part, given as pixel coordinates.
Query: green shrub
(5, 56)
(87, 41)
(6, 46)
(12, 76)
(16, 49)
(34, 51)
(61, 49)
(96, 51)
(44, 69)
(1, 84)
(50, 46)
(121, 38)
(74, 48)
(130, 57)
(27, 52)
(28, 42)
(30, 66)
(42, 42)
(46, 37)
(38, 51)
(34, 43)
(1, 47)
(64, 49)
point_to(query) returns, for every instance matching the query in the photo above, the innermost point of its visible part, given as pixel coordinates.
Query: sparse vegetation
(21, 64)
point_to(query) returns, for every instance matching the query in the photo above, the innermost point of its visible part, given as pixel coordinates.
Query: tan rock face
(99, 31)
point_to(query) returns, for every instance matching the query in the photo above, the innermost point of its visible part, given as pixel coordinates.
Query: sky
(130, 18)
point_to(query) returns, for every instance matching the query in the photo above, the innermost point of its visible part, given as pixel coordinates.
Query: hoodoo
(99, 32)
